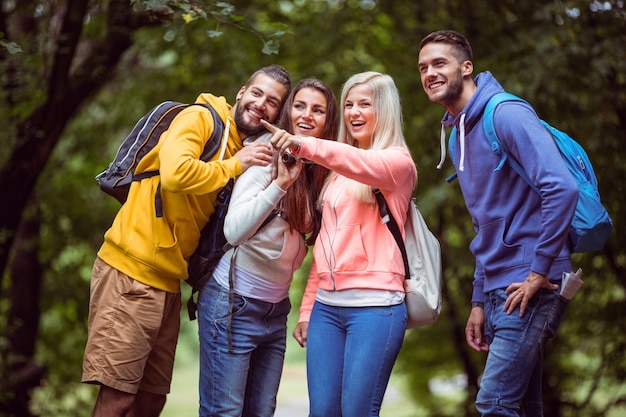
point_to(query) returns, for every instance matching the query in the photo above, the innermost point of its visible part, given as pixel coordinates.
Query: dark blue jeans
(511, 383)
(350, 355)
(243, 382)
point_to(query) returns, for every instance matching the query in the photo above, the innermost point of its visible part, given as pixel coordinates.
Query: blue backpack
(591, 224)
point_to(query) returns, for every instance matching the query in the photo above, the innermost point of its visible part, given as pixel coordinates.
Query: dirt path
(293, 399)
(292, 396)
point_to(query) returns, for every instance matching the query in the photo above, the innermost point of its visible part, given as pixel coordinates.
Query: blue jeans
(511, 382)
(243, 382)
(350, 355)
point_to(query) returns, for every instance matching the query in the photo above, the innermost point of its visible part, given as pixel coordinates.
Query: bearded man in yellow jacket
(135, 301)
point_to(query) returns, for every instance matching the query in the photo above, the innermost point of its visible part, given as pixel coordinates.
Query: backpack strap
(206, 273)
(388, 218)
(214, 142)
(492, 135)
(231, 284)
(210, 148)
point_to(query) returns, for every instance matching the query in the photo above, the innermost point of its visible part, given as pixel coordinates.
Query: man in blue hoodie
(521, 245)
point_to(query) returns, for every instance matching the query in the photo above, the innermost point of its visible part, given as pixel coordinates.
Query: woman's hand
(287, 173)
(300, 332)
(281, 139)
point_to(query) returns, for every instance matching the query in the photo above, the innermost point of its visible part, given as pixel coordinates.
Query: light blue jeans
(243, 382)
(511, 383)
(350, 355)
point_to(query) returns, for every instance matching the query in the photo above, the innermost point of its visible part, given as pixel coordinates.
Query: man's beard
(454, 90)
(244, 128)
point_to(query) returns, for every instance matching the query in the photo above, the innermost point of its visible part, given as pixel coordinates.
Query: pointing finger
(270, 127)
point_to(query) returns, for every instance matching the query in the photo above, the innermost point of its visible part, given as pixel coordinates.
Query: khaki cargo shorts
(132, 334)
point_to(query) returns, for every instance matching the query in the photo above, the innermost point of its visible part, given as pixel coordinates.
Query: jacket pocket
(493, 251)
(343, 250)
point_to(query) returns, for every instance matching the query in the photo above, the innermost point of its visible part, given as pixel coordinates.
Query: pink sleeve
(309, 295)
(387, 169)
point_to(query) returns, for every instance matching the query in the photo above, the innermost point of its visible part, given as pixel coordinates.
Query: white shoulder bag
(421, 254)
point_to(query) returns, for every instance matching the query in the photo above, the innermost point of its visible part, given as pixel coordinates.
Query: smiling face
(359, 115)
(261, 99)
(308, 112)
(443, 75)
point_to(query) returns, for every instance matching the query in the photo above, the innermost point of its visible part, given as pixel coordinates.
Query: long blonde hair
(387, 128)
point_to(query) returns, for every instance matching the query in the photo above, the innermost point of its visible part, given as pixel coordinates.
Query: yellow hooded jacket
(155, 250)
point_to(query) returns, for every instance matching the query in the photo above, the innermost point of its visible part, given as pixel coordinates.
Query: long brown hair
(300, 202)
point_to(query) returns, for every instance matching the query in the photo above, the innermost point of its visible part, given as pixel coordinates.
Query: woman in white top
(242, 311)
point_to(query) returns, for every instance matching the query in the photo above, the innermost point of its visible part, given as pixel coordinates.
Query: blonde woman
(353, 318)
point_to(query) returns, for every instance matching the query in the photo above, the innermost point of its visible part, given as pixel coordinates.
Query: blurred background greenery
(77, 74)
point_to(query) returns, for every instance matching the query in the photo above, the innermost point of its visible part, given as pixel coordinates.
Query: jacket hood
(218, 103)
(487, 87)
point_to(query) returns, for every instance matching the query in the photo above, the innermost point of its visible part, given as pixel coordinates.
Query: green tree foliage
(67, 102)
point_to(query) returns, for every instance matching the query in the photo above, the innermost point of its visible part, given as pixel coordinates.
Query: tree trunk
(70, 84)
(72, 80)
(21, 373)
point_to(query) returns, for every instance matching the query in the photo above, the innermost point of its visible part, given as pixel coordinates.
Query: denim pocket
(214, 304)
(223, 309)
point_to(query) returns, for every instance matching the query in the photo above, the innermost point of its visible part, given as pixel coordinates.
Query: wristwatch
(481, 305)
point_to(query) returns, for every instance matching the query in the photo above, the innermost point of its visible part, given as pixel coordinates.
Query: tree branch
(38, 134)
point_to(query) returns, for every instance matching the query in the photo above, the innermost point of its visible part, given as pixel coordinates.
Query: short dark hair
(461, 48)
(277, 73)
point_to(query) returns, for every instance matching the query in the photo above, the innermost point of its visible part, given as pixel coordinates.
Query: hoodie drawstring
(461, 141)
(224, 140)
(443, 147)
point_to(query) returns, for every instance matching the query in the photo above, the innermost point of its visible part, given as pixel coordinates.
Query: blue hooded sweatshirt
(518, 230)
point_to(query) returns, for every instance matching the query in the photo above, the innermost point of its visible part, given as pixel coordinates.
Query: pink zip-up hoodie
(355, 249)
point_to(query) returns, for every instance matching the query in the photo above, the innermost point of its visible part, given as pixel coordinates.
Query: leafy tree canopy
(76, 75)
